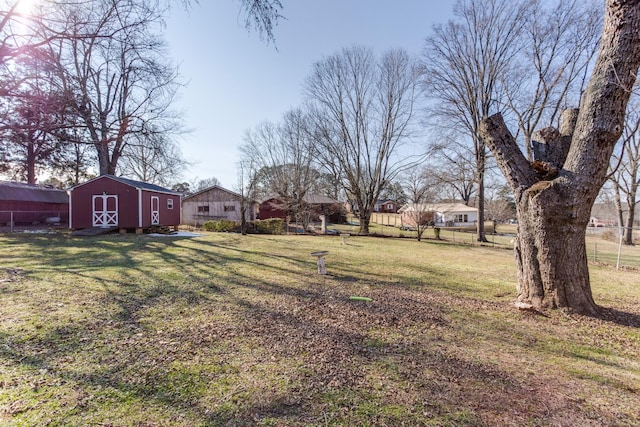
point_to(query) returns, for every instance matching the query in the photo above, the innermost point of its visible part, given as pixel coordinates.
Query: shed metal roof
(136, 184)
(23, 192)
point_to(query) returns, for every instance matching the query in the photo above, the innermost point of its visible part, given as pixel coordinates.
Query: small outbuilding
(22, 203)
(213, 204)
(114, 202)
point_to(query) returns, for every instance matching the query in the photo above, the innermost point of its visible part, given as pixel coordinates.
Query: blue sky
(235, 80)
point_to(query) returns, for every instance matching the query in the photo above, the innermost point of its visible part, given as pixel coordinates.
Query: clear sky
(235, 80)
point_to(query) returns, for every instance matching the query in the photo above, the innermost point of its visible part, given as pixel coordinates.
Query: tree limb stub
(512, 162)
(551, 145)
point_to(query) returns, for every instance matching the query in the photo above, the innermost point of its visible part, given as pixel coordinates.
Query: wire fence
(604, 245)
(14, 219)
(608, 246)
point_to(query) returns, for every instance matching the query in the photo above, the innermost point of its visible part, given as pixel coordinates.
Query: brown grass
(231, 330)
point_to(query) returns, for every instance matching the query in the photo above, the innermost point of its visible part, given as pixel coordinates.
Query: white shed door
(105, 210)
(155, 210)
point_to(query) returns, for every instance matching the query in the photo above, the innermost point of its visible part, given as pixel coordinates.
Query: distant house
(30, 203)
(275, 207)
(214, 203)
(606, 215)
(386, 206)
(440, 214)
(381, 206)
(114, 202)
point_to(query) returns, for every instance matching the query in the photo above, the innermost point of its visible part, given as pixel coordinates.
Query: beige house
(212, 204)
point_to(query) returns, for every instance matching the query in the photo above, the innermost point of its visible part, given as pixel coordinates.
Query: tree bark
(364, 219)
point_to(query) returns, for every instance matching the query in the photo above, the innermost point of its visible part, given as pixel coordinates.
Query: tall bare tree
(285, 157)
(153, 158)
(118, 80)
(626, 174)
(555, 193)
(464, 62)
(456, 174)
(363, 109)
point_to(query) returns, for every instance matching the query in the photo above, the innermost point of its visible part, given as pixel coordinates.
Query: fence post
(11, 223)
(619, 248)
(595, 251)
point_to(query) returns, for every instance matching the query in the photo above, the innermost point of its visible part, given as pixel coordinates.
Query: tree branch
(512, 162)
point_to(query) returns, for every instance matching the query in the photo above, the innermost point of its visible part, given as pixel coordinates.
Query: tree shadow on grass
(618, 317)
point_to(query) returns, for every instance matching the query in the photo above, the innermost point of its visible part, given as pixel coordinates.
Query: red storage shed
(110, 201)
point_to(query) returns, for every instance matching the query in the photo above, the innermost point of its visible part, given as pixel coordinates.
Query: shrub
(221, 226)
(269, 226)
(436, 232)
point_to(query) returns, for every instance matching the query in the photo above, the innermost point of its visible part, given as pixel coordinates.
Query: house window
(203, 209)
(231, 208)
(389, 207)
(462, 218)
(169, 203)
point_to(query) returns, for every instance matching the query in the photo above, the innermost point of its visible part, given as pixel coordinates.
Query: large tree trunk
(550, 249)
(364, 219)
(555, 192)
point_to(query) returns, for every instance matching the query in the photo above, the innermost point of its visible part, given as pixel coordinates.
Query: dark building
(25, 204)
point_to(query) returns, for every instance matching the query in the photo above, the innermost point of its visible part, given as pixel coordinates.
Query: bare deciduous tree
(421, 188)
(119, 83)
(456, 175)
(558, 47)
(554, 194)
(284, 155)
(363, 110)
(464, 63)
(247, 171)
(626, 174)
(153, 158)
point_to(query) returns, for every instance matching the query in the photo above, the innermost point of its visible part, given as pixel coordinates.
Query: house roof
(319, 199)
(437, 207)
(22, 192)
(136, 184)
(314, 199)
(213, 187)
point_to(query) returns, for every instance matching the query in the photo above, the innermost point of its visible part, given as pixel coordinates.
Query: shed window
(169, 203)
(230, 208)
(389, 206)
(203, 209)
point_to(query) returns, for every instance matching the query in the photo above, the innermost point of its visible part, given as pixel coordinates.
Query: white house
(441, 214)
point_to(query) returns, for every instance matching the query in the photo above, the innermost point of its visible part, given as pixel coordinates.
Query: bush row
(268, 226)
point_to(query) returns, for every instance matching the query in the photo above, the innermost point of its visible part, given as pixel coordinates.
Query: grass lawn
(229, 330)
